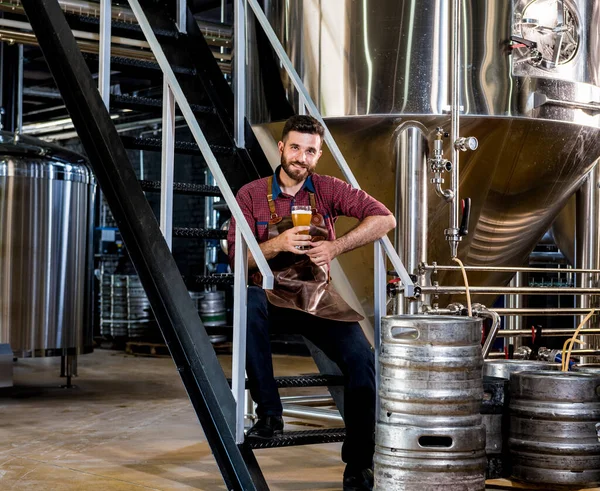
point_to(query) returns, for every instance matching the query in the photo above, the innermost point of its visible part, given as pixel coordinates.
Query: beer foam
(302, 212)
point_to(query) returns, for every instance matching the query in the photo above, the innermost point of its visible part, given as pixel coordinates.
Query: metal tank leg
(68, 369)
(410, 237)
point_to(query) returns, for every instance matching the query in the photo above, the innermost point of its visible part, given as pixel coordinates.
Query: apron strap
(274, 217)
(313, 202)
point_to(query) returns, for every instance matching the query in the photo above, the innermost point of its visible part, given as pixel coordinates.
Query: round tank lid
(27, 146)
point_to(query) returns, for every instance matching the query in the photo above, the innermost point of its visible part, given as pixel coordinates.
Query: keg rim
(432, 319)
(554, 374)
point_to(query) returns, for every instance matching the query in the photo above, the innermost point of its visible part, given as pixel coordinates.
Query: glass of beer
(301, 216)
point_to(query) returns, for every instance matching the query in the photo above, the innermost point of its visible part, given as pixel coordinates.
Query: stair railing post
(104, 55)
(167, 164)
(238, 369)
(181, 16)
(380, 306)
(239, 85)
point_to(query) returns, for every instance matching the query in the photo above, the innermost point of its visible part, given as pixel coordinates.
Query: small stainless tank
(505, 368)
(429, 431)
(554, 426)
(46, 227)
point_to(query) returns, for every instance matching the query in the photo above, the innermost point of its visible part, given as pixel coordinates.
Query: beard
(297, 175)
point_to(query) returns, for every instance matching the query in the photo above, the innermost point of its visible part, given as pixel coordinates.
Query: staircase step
(119, 24)
(184, 188)
(294, 438)
(199, 233)
(182, 147)
(150, 103)
(216, 279)
(314, 380)
(135, 63)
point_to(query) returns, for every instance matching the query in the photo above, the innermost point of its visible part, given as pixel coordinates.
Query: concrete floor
(129, 425)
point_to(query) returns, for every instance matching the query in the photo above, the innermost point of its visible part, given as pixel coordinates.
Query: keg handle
(399, 333)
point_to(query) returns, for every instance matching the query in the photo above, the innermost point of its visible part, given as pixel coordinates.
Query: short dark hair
(303, 124)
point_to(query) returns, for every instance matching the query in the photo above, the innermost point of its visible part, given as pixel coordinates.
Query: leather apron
(299, 283)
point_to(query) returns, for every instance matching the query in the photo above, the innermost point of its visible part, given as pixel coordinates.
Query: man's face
(300, 153)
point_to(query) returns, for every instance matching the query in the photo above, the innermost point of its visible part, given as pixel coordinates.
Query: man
(303, 300)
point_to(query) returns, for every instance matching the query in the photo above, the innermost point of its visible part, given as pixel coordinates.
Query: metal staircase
(214, 114)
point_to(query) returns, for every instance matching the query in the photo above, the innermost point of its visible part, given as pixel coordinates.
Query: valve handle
(466, 215)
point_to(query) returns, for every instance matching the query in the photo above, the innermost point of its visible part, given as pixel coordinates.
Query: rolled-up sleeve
(352, 202)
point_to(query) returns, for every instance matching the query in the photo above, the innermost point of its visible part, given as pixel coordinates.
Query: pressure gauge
(548, 34)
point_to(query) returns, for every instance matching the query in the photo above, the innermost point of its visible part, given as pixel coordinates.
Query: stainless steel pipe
(503, 269)
(587, 254)
(543, 311)
(575, 352)
(499, 290)
(547, 333)
(313, 413)
(410, 238)
(317, 400)
(452, 233)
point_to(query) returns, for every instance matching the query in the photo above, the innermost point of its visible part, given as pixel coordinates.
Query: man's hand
(292, 239)
(323, 252)
(286, 241)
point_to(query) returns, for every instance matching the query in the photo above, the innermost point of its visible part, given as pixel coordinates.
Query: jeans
(343, 342)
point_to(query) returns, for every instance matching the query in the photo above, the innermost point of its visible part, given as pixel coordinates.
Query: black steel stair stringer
(177, 317)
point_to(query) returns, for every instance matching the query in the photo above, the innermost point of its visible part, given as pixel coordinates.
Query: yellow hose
(571, 341)
(464, 273)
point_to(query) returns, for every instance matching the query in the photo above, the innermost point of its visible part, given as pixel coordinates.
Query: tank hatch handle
(466, 215)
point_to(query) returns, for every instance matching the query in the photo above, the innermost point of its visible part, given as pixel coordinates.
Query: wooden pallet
(506, 484)
(140, 348)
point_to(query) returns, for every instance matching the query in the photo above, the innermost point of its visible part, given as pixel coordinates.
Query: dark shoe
(358, 479)
(266, 428)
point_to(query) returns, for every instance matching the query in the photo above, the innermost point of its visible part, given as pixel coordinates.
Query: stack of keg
(212, 310)
(497, 422)
(124, 308)
(430, 435)
(555, 427)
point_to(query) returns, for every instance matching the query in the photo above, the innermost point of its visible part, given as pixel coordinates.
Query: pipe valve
(438, 165)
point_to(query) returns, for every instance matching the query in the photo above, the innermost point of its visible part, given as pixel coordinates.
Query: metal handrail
(207, 153)
(244, 237)
(333, 147)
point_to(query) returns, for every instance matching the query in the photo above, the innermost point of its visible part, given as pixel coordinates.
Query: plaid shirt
(334, 198)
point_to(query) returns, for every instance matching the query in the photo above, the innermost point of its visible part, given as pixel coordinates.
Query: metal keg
(504, 368)
(124, 308)
(497, 424)
(212, 308)
(593, 368)
(429, 431)
(554, 427)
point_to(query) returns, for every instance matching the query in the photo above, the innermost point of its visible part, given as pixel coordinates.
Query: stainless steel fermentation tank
(375, 68)
(46, 226)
